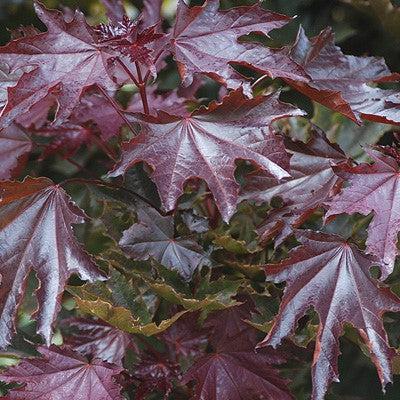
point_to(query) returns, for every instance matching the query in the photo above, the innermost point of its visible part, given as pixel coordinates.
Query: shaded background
(362, 27)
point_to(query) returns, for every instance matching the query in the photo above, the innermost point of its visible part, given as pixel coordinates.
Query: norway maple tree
(151, 238)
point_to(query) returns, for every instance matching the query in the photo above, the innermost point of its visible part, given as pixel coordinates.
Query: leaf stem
(142, 89)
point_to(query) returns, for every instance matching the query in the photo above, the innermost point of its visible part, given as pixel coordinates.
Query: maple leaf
(67, 139)
(230, 330)
(312, 183)
(153, 236)
(15, 146)
(333, 276)
(115, 10)
(185, 338)
(36, 234)
(374, 188)
(93, 115)
(63, 374)
(207, 143)
(97, 339)
(66, 60)
(96, 108)
(127, 38)
(340, 82)
(205, 41)
(156, 373)
(234, 370)
(237, 375)
(7, 79)
(151, 13)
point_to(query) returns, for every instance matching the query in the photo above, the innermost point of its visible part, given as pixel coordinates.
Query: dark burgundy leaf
(341, 82)
(96, 108)
(36, 235)
(153, 236)
(63, 374)
(155, 373)
(151, 13)
(65, 60)
(374, 188)
(115, 10)
(238, 375)
(207, 143)
(97, 339)
(333, 276)
(7, 79)
(205, 41)
(67, 139)
(185, 338)
(230, 331)
(312, 183)
(15, 146)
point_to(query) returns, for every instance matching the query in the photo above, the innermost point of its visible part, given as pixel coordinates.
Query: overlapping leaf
(313, 182)
(230, 331)
(66, 60)
(170, 102)
(122, 304)
(206, 145)
(237, 376)
(63, 374)
(96, 108)
(15, 146)
(36, 235)
(234, 370)
(341, 82)
(374, 188)
(97, 339)
(156, 374)
(186, 338)
(153, 236)
(333, 276)
(114, 9)
(205, 41)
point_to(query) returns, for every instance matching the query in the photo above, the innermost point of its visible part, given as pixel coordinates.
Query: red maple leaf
(341, 82)
(206, 145)
(312, 183)
(374, 188)
(63, 374)
(65, 60)
(205, 41)
(185, 338)
(36, 235)
(97, 339)
(15, 146)
(333, 276)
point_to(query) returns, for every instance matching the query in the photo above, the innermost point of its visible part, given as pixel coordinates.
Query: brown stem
(142, 89)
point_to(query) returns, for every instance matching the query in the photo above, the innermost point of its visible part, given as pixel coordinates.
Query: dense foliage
(173, 224)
